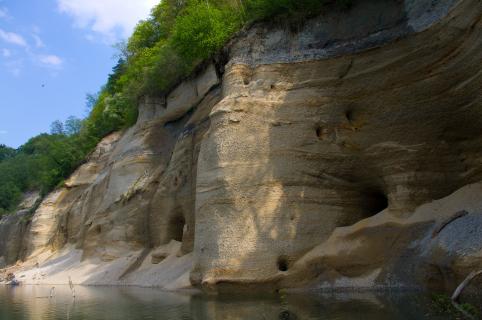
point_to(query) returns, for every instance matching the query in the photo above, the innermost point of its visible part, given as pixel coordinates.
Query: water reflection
(33, 303)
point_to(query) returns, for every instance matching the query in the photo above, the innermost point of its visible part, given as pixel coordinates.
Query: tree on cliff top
(6, 152)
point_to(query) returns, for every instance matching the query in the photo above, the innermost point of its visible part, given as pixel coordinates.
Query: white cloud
(90, 37)
(3, 131)
(38, 42)
(36, 37)
(12, 38)
(110, 18)
(6, 53)
(51, 60)
(4, 13)
(14, 66)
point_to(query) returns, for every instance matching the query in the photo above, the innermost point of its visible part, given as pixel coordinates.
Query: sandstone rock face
(13, 228)
(297, 150)
(341, 153)
(107, 201)
(49, 226)
(436, 246)
(131, 206)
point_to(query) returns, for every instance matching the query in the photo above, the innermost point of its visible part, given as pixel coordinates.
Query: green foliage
(145, 35)
(42, 163)
(442, 304)
(57, 127)
(179, 35)
(262, 9)
(202, 30)
(72, 126)
(6, 152)
(9, 195)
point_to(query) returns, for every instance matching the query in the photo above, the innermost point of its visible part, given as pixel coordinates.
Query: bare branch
(458, 292)
(464, 283)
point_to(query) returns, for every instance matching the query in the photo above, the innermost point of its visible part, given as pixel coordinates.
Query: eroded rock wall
(341, 152)
(131, 205)
(297, 150)
(13, 228)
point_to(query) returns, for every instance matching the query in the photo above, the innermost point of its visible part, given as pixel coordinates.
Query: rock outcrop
(13, 229)
(341, 153)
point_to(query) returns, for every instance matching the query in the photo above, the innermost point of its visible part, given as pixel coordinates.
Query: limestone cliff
(344, 152)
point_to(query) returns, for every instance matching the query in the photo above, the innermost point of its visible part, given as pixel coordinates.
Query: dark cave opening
(375, 203)
(176, 228)
(369, 204)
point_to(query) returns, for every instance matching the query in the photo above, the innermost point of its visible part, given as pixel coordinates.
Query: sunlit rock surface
(344, 152)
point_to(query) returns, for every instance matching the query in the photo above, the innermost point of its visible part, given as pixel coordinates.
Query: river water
(124, 303)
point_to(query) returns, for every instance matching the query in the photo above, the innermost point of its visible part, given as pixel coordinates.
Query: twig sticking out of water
(50, 296)
(458, 292)
(71, 285)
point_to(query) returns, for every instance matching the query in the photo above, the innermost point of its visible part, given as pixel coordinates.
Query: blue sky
(54, 52)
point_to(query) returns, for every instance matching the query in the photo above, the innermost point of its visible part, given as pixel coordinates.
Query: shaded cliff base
(421, 249)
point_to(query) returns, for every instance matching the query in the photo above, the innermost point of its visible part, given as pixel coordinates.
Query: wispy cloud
(32, 51)
(3, 131)
(13, 38)
(38, 41)
(4, 13)
(14, 67)
(51, 60)
(110, 18)
(6, 53)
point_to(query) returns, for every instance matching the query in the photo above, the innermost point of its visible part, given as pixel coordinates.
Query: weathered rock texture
(297, 150)
(13, 229)
(344, 152)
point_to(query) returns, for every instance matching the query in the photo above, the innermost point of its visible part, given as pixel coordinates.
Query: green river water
(33, 303)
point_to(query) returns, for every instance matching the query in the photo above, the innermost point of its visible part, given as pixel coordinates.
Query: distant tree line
(42, 163)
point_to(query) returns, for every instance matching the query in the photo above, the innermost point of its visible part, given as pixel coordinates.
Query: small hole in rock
(282, 264)
(349, 115)
(246, 81)
(319, 132)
